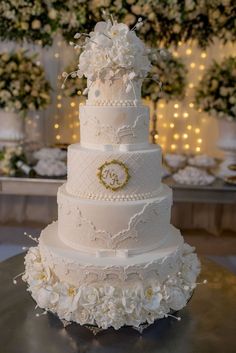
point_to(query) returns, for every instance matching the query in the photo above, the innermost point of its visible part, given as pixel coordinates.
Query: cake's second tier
(119, 228)
(114, 174)
(113, 125)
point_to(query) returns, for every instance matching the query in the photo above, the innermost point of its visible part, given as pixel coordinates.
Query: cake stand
(207, 324)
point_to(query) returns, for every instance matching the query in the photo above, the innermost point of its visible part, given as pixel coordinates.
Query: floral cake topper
(112, 51)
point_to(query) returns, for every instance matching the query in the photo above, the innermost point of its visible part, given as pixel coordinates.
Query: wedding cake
(112, 258)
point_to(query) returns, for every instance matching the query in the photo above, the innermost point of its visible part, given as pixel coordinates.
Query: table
(207, 325)
(218, 192)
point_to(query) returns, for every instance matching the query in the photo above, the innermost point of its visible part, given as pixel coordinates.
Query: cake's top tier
(115, 62)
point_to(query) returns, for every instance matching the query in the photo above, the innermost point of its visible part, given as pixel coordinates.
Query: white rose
(89, 296)
(176, 298)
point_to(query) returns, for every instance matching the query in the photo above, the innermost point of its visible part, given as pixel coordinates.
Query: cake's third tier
(114, 175)
(114, 228)
(109, 125)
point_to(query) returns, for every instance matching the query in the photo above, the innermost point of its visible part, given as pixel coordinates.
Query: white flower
(69, 298)
(113, 51)
(152, 298)
(89, 296)
(46, 297)
(131, 300)
(82, 316)
(176, 298)
(36, 24)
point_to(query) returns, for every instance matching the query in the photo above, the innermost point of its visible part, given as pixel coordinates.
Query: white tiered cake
(113, 259)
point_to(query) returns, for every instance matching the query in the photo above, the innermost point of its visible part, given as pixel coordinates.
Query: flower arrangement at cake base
(111, 303)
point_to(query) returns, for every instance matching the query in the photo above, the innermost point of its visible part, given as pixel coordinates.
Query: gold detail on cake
(114, 175)
(149, 293)
(71, 291)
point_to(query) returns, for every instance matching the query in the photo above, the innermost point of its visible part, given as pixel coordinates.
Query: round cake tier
(110, 291)
(114, 174)
(105, 227)
(78, 267)
(109, 125)
(114, 93)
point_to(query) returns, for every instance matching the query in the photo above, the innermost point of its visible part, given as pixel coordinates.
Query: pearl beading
(115, 103)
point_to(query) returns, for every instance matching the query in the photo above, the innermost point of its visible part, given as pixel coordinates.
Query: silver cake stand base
(207, 323)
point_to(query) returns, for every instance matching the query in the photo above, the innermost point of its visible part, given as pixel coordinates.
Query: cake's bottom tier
(110, 291)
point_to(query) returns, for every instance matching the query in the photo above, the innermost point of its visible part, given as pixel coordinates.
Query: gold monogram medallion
(114, 175)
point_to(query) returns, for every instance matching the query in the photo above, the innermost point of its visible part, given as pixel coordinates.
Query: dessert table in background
(211, 208)
(207, 323)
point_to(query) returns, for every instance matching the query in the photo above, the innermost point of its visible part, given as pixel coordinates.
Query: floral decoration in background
(23, 83)
(74, 17)
(216, 93)
(171, 74)
(9, 156)
(166, 22)
(169, 22)
(28, 20)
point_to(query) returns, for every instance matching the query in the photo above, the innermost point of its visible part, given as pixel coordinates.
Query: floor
(220, 249)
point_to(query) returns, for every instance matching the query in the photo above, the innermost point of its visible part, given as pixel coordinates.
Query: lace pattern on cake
(112, 241)
(144, 168)
(112, 135)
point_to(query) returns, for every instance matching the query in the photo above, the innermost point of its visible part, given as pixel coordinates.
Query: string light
(203, 55)
(201, 67)
(162, 105)
(185, 136)
(56, 126)
(176, 115)
(175, 54)
(199, 140)
(198, 149)
(79, 93)
(72, 104)
(56, 55)
(176, 105)
(189, 127)
(185, 115)
(191, 105)
(176, 136)
(58, 137)
(186, 146)
(189, 51)
(197, 130)
(156, 137)
(164, 125)
(192, 65)
(191, 85)
(59, 105)
(172, 125)
(59, 97)
(74, 136)
(173, 147)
